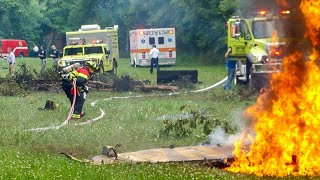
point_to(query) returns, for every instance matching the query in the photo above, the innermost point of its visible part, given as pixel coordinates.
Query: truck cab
(90, 43)
(19, 47)
(98, 53)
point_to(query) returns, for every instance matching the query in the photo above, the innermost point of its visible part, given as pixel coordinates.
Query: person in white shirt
(35, 50)
(154, 54)
(11, 59)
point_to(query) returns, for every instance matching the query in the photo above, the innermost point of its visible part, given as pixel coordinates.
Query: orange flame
(287, 117)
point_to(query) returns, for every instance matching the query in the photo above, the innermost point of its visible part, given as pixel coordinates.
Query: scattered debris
(110, 151)
(213, 156)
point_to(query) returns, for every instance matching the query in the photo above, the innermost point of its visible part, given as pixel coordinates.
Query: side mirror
(108, 52)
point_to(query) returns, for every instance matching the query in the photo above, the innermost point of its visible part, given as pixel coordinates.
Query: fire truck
(141, 41)
(18, 46)
(259, 44)
(91, 43)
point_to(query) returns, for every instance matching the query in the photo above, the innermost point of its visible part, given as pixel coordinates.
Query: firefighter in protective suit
(80, 77)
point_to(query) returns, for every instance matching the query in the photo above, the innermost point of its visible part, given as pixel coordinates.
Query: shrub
(186, 125)
(9, 87)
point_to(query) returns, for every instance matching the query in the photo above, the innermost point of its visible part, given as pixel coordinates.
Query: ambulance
(18, 46)
(141, 41)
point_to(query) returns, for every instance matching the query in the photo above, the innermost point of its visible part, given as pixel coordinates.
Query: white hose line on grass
(119, 97)
(210, 87)
(50, 127)
(102, 113)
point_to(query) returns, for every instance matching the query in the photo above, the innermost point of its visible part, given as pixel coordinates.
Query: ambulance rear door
(133, 47)
(143, 47)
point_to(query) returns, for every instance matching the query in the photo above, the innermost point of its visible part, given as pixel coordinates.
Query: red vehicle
(18, 46)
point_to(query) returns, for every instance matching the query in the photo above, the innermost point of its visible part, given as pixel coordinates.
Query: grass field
(134, 123)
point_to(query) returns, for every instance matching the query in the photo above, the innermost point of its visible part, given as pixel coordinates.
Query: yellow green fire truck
(92, 43)
(259, 44)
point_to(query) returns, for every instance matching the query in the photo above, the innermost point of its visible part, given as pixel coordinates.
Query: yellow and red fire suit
(80, 76)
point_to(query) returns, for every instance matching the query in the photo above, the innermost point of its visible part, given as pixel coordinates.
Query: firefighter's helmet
(93, 66)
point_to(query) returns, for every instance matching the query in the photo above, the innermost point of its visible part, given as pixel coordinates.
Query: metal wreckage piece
(213, 155)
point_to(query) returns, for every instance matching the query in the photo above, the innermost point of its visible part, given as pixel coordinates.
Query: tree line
(200, 24)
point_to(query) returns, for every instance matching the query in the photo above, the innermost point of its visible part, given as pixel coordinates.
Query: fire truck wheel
(21, 54)
(133, 63)
(236, 80)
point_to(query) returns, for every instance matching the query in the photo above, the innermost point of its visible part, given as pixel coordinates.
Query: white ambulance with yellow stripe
(141, 41)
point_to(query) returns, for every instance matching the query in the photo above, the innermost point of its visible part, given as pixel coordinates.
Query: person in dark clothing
(55, 57)
(80, 76)
(231, 69)
(43, 57)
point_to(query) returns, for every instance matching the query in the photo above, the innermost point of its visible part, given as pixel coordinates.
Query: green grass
(130, 122)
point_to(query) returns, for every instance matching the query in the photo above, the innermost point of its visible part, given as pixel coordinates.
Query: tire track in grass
(102, 113)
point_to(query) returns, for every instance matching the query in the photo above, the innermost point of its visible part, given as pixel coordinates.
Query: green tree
(20, 19)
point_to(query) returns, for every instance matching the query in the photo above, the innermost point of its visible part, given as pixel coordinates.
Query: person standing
(231, 69)
(43, 57)
(80, 77)
(154, 55)
(11, 59)
(55, 57)
(35, 50)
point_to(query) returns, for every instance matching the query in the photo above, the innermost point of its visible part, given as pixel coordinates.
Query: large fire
(287, 117)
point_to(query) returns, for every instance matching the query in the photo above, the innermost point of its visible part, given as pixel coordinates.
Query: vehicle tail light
(277, 52)
(170, 53)
(263, 12)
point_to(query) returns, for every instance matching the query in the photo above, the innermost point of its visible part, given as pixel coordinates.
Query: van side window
(245, 33)
(0, 43)
(151, 41)
(233, 29)
(161, 40)
(237, 29)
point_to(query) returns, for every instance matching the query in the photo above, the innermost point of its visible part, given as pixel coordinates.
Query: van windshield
(284, 27)
(73, 51)
(93, 50)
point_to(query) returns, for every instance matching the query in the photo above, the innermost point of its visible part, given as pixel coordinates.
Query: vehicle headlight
(62, 63)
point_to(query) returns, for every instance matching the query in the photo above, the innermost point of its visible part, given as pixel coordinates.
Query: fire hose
(212, 86)
(107, 99)
(74, 100)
